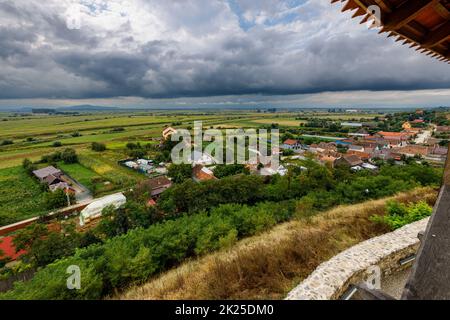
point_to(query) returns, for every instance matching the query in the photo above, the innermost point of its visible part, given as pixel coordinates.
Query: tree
(29, 166)
(69, 156)
(180, 172)
(222, 171)
(288, 152)
(44, 247)
(443, 143)
(133, 146)
(137, 153)
(57, 144)
(114, 222)
(97, 146)
(57, 199)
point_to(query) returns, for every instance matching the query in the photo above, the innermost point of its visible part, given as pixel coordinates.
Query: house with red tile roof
(412, 150)
(291, 144)
(361, 155)
(395, 139)
(201, 173)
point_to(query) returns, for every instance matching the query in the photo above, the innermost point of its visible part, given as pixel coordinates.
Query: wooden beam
(442, 10)
(407, 12)
(384, 6)
(437, 36)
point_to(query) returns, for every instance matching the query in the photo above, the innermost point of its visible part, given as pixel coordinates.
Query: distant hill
(87, 107)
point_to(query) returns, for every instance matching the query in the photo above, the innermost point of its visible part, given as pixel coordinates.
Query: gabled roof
(159, 182)
(47, 171)
(51, 179)
(352, 159)
(291, 142)
(421, 24)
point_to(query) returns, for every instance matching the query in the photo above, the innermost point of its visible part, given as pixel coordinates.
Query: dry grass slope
(269, 265)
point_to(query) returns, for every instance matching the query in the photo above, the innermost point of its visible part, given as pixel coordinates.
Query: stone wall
(332, 278)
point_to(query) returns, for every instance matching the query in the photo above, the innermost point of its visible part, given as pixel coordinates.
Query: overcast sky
(205, 52)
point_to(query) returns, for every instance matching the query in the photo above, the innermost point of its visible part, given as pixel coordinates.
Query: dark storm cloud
(196, 48)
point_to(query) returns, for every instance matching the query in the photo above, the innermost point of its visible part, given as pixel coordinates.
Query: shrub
(222, 171)
(57, 199)
(137, 153)
(97, 146)
(69, 156)
(399, 214)
(6, 142)
(180, 172)
(57, 144)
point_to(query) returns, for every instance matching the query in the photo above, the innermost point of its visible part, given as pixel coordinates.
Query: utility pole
(68, 197)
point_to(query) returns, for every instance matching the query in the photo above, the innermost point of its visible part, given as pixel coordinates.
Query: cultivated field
(33, 136)
(21, 196)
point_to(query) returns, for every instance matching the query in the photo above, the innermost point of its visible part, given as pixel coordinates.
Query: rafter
(437, 36)
(407, 12)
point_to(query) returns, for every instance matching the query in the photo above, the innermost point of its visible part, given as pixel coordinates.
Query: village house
(323, 147)
(52, 177)
(157, 185)
(49, 174)
(202, 158)
(437, 153)
(291, 144)
(357, 148)
(360, 133)
(167, 132)
(327, 158)
(349, 161)
(352, 124)
(412, 150)
(442, 129)
(394, 139)
(268, 171)
(201, 173)
(406, 126)
(360, 154)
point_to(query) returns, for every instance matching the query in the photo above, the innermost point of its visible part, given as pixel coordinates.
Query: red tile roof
(8, 249)
(201, 173)
(291, 142)
(393, 134)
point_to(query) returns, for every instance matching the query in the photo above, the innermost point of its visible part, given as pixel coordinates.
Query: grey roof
(45, 172)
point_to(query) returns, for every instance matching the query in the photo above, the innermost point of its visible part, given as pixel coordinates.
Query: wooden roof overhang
(422, 24)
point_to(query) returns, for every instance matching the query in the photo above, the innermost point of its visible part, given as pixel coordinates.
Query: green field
(21, 196)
